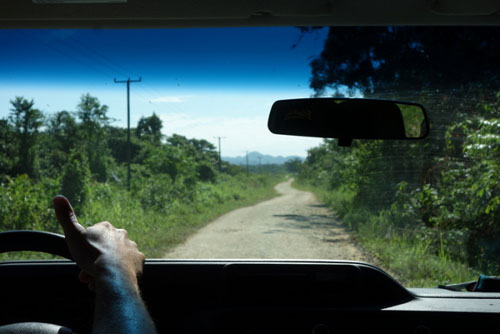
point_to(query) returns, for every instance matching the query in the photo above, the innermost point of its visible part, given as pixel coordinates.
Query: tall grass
(416, 257)
(157, 230)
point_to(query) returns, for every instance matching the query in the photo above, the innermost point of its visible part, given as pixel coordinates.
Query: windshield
(164, 133)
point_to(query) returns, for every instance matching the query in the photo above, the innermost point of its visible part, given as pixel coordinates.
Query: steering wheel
(38, 241)
(34, 328)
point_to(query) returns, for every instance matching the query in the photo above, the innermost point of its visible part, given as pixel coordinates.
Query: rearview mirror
(348, 119)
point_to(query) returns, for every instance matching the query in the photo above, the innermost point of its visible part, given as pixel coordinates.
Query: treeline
(406, 199)
(445, 190)
(81, 155)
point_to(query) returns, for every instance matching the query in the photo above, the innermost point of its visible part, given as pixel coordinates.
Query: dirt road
(292, 226)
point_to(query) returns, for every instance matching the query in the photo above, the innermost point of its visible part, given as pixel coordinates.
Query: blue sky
(202, 83)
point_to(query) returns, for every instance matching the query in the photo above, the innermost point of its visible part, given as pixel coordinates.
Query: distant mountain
(253, 159)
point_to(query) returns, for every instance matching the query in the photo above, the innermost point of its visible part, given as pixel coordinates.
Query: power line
(128, 81)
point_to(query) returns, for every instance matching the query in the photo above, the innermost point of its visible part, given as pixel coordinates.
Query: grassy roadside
(155, 230)
(157, 233)
(417, 258)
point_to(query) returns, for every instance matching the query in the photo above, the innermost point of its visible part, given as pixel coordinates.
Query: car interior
(247, 295)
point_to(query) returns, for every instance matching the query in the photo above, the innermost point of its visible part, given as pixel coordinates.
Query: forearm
(110, 263)
(119, 307)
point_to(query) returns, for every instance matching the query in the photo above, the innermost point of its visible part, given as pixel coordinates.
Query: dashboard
(217, 296)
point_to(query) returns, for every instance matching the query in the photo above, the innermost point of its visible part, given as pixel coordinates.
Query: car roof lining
(230, 13)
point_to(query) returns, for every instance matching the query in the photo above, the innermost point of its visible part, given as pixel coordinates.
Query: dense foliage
(176, 182)
(442, 192)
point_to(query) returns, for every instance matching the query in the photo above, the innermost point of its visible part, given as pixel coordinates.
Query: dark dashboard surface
(251, 297)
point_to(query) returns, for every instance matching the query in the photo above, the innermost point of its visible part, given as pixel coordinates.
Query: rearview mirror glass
(349, 119)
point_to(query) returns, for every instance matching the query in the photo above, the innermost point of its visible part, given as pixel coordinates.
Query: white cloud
(168, 99)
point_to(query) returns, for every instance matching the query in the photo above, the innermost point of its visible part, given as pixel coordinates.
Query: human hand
(100, 250)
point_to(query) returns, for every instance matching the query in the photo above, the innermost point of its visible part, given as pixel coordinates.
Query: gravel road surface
(292, 226)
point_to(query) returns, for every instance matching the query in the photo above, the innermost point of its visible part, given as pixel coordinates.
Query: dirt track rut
(292, 226)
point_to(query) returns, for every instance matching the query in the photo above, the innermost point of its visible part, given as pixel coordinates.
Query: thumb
(66, 217)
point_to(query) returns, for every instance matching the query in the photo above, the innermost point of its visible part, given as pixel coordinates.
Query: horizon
(256, 152)
(193, 79)
(265, 159)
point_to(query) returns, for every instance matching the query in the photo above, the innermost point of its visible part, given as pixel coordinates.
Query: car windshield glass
(164, 133)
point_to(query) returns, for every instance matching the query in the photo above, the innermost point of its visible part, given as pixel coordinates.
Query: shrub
(75, 179)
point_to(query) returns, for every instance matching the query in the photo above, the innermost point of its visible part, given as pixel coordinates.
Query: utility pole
(247, 163)
(220, 156)
(128, 81)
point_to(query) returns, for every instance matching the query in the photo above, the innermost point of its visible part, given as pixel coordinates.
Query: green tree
(63, 129)
(447, 183)
(93, 118)
(117, 142)
(26, 121)
(171, 160)
(8, 149)
(202, 153)
(378, 59)
(57, 141)
(293, 165)
(199, 148)
(150, 128)
(435, 66)
(414, 63)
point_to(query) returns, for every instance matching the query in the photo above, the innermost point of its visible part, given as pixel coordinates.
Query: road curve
(291, 226)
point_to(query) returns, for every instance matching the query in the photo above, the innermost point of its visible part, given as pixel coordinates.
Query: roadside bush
(75, 180)
(158, 195)
(440, 198)
(26, 205)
